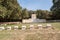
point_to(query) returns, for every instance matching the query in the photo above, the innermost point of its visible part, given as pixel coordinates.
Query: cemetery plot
(40, 26)
(23, 27)
(31, 27)
(15, 27)
(2, 28)
(8, 28)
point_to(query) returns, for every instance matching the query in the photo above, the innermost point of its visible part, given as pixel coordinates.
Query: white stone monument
(49, 26)
(2, 28)
(8, 28)
(33, 19)
(40, 26)
(16, 27)
(23, 27)
(31, 26)
(33, 16)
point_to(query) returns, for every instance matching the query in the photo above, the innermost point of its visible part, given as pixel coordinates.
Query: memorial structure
(33, 19)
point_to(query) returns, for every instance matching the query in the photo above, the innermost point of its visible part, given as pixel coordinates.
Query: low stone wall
(33, 20)
(26, 21)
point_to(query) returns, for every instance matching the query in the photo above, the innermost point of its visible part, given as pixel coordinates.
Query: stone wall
(33, 20)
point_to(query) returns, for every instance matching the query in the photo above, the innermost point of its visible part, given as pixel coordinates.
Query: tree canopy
(10, 9)
(56, 9)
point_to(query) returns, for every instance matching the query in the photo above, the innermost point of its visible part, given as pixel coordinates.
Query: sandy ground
(30, 34)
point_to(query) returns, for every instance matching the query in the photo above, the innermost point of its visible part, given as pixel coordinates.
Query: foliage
(3, 12)
(25, 14)
(56, 10)
(10, 9)
(41, 14)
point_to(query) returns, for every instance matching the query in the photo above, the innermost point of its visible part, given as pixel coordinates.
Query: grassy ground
(31, 34)
(56, 24)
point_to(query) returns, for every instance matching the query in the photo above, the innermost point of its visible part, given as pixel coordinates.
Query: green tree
(56, 9)
(3, 12)
(10, 9)
(25, 14)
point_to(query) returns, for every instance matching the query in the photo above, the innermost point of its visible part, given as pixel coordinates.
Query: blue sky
(36, 4)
